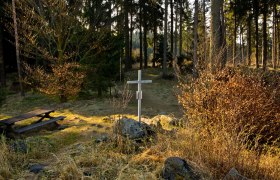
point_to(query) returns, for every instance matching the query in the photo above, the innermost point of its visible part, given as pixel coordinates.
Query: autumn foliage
(244, 103)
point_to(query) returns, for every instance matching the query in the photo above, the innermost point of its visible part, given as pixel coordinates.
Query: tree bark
(171, 30)
(234, 38)
(223, 35)
(140, 36)
(264, 53)
(176, 32)
(256, 15)
(155, 45)
(204, 30)
(215, 41)
(145, 38)
(195, 35)
(164, 64)
(17, 49)
(131, 34)
(126, 31)
(181, 28)
(249, 44)
(274, 41)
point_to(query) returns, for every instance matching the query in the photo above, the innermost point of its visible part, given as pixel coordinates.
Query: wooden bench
(7, 124)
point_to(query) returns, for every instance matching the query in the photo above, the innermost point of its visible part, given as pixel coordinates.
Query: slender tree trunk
(155, 45)
(181, 28)
(223, 35)
(171, 30)
(241, 45)
(131, 36)
(274, 41)
(278, 39)
(176, 32)
(126, 29)
(264, 53)
(249, 44)
(164, 64)
(2, 65)
(256, 14)
(215, 45)
(17, 48)
(140, 36)
(234, 38)
(145, 38)
(204, 31)
(195, 61)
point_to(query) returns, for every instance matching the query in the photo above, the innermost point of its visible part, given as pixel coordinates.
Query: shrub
(64, 81)
(244, 103)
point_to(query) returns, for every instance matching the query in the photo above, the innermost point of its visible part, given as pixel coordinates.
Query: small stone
(233, 174)
(103, 138)
(174, 167)
(87, 173)
(36, 168)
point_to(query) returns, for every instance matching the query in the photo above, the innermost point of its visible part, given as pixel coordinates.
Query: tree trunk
(223, 35)
(131, 34)
(155, 45)
(204, 30)
(215, 45)
(145, 38)
(2, 65)
(140, 35)
(241, 45)
(164, 64)
(181, 28)
(264, 53)
(195, 36)
(234, 38)
(274, 41)
(17, 48)
(126, 31)
(256, 15)
(171, 30)
(249, 44)
(176, 32)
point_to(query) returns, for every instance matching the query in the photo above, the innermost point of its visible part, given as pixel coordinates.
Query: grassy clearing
(72, 153)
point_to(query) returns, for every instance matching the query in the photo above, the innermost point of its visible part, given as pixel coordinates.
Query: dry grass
(73, 153)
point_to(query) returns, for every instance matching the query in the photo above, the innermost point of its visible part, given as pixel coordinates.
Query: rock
(36, 168)
(132, 129)
(19, 146)
(103, 138)
(174, 167)
(233, 174)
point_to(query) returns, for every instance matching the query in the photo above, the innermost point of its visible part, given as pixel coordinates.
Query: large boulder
(132, 129)
(175, 167)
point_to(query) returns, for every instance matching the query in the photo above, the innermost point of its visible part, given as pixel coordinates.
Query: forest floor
(86, 121)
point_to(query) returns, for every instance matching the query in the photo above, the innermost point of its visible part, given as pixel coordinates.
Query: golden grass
(72, 153)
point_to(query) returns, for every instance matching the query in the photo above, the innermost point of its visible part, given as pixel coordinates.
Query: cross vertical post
(139, 91)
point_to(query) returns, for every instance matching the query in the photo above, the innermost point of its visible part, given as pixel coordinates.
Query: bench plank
(28, 115)
(36, 125)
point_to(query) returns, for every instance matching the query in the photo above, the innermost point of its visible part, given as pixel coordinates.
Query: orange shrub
(244, 103)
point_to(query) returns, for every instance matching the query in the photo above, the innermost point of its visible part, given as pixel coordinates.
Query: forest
(214, 100)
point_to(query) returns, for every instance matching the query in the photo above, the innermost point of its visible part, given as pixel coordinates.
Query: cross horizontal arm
(137, 82)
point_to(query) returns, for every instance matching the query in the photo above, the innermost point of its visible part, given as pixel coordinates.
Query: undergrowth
(233, 121)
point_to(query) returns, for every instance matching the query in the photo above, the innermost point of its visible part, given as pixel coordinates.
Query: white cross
(139, 92)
